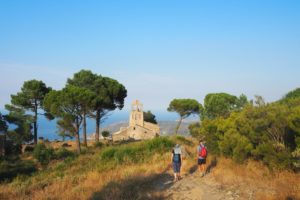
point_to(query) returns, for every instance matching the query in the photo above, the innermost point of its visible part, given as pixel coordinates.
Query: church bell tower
(136, 114)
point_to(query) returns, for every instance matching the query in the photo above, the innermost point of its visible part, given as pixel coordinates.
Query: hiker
(201, 156)
(176, 161)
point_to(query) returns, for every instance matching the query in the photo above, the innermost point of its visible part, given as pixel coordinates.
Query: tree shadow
(136, 188)
(193, 169)
(212, 165)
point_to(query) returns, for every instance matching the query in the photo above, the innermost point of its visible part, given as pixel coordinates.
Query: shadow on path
(193, 169)
(135, 188)
(213, 163)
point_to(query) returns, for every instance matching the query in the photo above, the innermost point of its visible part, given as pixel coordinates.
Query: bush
(98, 144)
(43, 154)
(236, 146)
(12, 149)
(136, 152)
(108, 153)
(270, 157)
(12, 168)
(208, 131)
(28, 148)
(64, 153)
(159, 144)
(105, 133)
(194, 129)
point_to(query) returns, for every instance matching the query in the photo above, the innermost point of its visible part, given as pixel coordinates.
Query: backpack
(203, 152)
(176, 158)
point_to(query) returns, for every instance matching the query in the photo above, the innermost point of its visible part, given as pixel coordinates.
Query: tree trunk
(84, 130)
(35, 126)
(78, 137)
(78, 143)
(97, 126)
(178, 125)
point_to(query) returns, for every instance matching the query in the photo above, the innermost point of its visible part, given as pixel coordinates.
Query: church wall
(151, 126)
(121, 135)
(141, 133)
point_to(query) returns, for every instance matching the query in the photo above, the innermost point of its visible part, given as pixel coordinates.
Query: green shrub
(98, 144)
(105, 133)
(273, 159)
(136, 152)
(43, 154)
(194, 129)
(129, 154)
(12, 168)
(235, 145)
(64, 153)
(108, 153)
(208, 131)
(159, 144)
(296, 159)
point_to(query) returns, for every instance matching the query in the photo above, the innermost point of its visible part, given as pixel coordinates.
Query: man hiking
(201, 155)
(176, 161)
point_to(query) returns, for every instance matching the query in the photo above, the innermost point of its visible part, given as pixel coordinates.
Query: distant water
(48, 129)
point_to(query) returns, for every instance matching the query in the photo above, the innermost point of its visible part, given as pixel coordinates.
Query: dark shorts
(201, 161)
(176, 167)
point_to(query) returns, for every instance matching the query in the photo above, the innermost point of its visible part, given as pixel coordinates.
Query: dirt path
(194, 187)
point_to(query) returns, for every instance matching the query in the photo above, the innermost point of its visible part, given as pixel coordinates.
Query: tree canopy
(292, 94)
(109, 94)
(149, 117)
(23, 125)
(184, 107)
(221, 104)
(31, 99)
(68, 105)
(84, 79)
(3, 124)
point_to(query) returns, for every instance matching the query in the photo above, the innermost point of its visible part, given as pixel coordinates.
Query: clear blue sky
(159, 50)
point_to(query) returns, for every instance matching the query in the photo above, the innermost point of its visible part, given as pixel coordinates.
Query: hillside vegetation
(85, 176)
(140, 170)
(265, 132)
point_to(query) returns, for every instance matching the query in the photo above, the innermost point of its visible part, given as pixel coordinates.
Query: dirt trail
(195, 187)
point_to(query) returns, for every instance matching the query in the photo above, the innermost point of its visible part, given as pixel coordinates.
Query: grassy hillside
(135, 170)
(97, 173)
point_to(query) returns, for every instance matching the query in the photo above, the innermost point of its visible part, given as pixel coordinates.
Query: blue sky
(159, 50)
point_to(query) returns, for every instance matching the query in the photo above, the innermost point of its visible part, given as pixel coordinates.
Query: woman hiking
(176, 161)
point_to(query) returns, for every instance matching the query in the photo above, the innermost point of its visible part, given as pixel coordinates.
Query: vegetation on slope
(266, 132)
(80, 177)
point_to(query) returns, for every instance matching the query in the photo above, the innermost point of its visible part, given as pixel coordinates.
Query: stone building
(138, 129)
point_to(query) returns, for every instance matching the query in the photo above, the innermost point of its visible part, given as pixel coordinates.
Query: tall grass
(68, 173)
(136, 152)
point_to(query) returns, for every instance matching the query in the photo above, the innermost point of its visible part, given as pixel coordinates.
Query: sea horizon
(49, 131)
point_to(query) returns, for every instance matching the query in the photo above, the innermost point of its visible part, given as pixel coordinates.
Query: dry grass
(87, 178)
(253, 177)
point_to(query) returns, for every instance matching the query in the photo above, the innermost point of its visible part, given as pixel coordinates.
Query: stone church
(138, 129)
